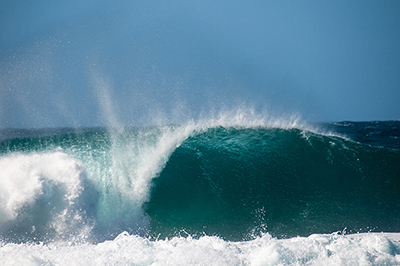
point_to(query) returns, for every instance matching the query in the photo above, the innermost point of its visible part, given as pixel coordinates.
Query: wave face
(287, 182)
(200, 186)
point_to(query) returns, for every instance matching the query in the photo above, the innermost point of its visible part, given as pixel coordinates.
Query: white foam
(333, 249)
(39, 190)
(23, 178)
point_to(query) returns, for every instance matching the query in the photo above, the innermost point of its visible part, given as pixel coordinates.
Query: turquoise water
(287, 182)
(219, 183)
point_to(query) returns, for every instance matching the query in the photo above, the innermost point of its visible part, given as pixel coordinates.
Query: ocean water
(226, 191)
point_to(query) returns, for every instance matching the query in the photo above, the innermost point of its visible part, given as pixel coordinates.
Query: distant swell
(237, 183)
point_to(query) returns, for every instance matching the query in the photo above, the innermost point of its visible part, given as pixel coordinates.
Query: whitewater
(237, 189)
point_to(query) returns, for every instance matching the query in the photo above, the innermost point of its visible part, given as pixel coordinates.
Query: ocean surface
(231, 191)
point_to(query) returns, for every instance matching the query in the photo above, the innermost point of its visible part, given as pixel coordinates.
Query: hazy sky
(91, 63)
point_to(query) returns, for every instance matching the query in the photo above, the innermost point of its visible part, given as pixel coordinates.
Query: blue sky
(94, 63)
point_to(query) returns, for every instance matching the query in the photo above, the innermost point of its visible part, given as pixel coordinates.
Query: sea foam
(332, 249)
(43, 194)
